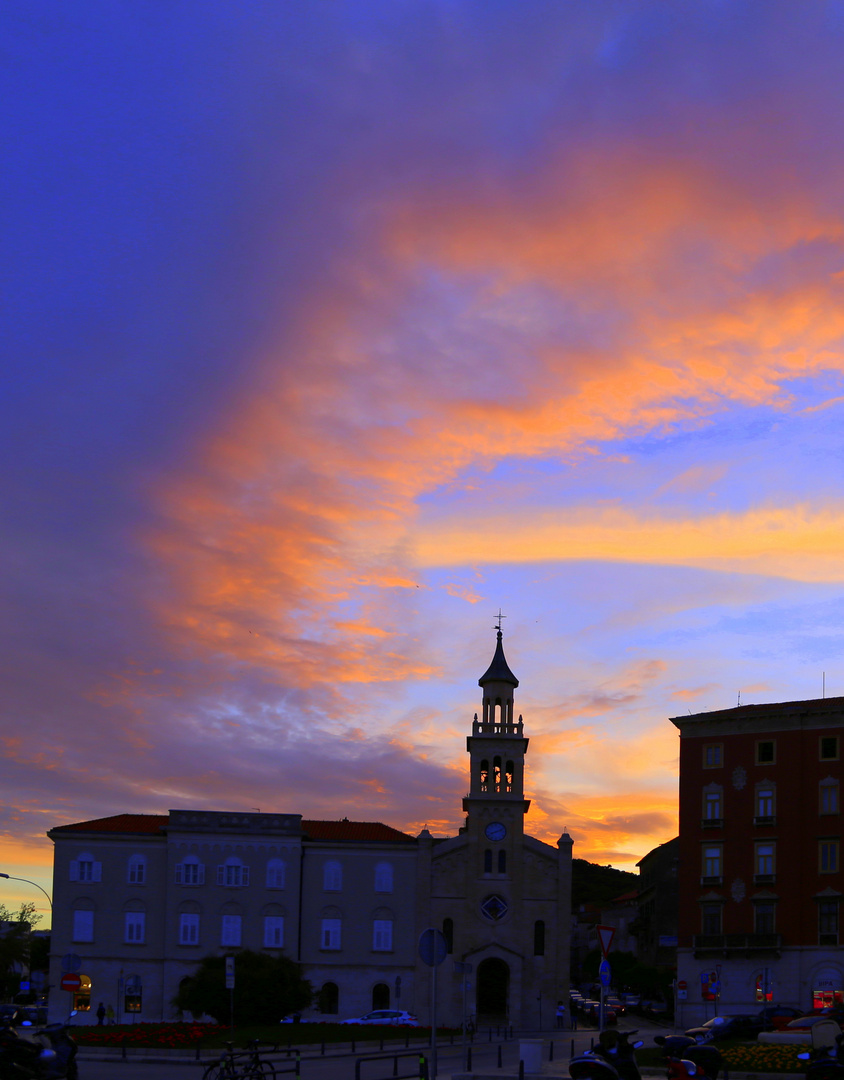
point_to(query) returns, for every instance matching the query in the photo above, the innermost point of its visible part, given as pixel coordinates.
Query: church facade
(140, 899)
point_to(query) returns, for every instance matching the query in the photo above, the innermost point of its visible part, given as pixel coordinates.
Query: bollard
(521, 1070)
(123, 1047)
(571, 1055)
(490, 1034)
(197, 1050)
(423, 1067)
(551, 1051)
(381, 1047)
(499, 1055)
(322, 1048)
(468, 1059)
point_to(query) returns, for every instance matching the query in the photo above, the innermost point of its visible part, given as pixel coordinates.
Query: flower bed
(763, 1057)
(149, 1036)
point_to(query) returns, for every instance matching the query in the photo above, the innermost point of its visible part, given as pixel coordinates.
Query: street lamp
(10, 877)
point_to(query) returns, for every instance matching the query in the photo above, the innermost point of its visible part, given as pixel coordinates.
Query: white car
(386, 1016)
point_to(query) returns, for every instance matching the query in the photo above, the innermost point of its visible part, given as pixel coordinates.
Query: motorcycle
(825, 1062)
(685, 1058)
(47, 1053)
(613, 1058)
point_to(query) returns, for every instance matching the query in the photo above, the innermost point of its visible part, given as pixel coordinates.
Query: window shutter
(74, 869)
(178, 869)
(200, 874)
(221, 875)
(244, 875)
(96, 871)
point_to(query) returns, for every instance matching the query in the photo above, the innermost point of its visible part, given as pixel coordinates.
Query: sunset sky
(332, 328)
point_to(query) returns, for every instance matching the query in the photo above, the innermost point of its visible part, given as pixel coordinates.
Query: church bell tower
(496, 803)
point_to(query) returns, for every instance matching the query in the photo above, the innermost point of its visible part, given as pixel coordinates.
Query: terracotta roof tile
(355, 831)
(149, 824)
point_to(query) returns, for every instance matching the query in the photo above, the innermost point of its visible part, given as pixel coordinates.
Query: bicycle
(240, 1065)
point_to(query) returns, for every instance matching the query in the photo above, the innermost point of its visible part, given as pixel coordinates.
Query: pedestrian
(100, 1014)
(109, 1013)
(561, 1015)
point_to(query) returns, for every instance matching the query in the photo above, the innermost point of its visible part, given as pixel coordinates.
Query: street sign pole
(433, 949)
(605, 936)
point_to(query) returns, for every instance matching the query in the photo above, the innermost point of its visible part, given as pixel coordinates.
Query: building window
(713, 755)
(273, 931)
(488, 861)
(484, 775)
(230, 930)
(275, 873)
(188, 929)
(539, 938)
(765, 804)
(137, 870)
(712, 870)
(712, 805)
(331, 936)
(763, 917)
(829, 748)
(828, 856)
(134, 926)
(710, 915)
(502, 862)
(332, 876)
(448, 934)
(132, 994)
(382, 935)
(766, 752)
(83, 925)
(380, 996)
(764, 861)
(828, 792)
(86, 868)
(828, 922)
(232, 873)
(384, 877)
(190, 871)
(328, 999)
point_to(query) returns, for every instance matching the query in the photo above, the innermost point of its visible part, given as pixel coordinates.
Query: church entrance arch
(493, 987)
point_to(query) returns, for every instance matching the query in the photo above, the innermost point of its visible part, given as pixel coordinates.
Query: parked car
(386, 1016)
(775, 1017)
(15, 1015)
(742, 1026)
(806, 1023)
(615, 1004)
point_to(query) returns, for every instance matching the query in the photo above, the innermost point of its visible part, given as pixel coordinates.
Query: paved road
(342, 1067)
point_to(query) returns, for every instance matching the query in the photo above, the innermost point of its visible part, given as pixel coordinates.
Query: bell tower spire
(497, 748)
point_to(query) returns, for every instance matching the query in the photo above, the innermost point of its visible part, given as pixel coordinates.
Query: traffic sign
(71, 962)
(433, 948)
(70, 981)
(605, 936)
(604, 972)
(682, 985)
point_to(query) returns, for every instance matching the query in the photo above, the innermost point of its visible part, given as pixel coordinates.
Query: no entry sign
(70, 981)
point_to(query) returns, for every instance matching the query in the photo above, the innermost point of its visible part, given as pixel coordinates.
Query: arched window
(496, 774)
(384, 877)
(539, 938)
(509, 772)
(502, 862)
(488, 861)
(134, 923)
(190, 871)
(276, 869)
(86, 868)
(132, 994)
(136, 871)
(448, 934)
(380, 996)
(484, 775)
(233, 873)
(332, 876)
(328, 999)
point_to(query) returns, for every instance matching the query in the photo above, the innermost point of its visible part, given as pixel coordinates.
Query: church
(139, 899)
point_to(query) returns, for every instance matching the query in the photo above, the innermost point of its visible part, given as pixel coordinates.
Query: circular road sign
(433, 948)
(70, 981)
(71, 962)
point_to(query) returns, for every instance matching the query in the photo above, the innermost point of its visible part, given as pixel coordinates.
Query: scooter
(612, 1059)
(825, 1062)
(45, 1054)
(685, 1058)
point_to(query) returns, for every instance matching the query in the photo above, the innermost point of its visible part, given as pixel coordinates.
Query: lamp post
(10, 877)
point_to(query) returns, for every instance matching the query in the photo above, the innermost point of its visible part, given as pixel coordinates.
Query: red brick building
(760, 883)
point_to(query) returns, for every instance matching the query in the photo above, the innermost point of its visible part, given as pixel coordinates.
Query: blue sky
(330, 331)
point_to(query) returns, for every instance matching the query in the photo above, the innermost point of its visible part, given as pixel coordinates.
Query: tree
(15, 940)
(266, 989)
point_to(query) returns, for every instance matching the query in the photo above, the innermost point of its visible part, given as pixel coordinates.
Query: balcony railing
(711, 823)
(727, 943)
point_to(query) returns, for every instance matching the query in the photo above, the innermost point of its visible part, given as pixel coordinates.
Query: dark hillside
(593, 884)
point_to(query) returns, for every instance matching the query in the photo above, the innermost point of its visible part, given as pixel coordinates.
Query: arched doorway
(493, 985)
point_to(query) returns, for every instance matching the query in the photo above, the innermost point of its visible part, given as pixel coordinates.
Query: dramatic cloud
(332, 336)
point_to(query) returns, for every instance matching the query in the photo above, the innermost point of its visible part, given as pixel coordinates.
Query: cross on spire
(500, 617)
